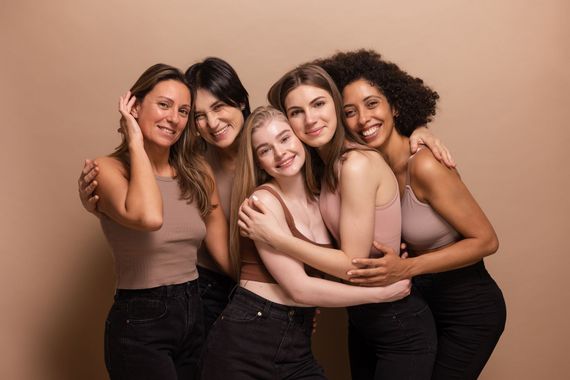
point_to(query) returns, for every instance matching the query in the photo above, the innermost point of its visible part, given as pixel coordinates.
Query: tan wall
(501, 68)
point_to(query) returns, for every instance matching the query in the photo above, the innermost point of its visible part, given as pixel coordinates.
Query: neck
(396, 152)
(292, 187)
(225, 158)
(158, 157)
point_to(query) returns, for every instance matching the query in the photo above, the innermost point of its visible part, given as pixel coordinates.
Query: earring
(197, 134)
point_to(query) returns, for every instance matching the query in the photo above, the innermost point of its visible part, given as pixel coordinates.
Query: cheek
(297, 127)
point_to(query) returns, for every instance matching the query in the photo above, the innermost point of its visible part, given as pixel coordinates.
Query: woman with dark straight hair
(158, 202)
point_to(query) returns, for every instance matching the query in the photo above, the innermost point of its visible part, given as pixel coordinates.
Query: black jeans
(257, 339)
(215, 289)
(470, 315)
(155, 333)
(395, 340)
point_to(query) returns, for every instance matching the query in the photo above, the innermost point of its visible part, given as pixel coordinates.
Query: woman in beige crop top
(445, 229)
(158, 202)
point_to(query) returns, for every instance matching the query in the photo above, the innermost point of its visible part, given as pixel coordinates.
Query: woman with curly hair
(447, 233)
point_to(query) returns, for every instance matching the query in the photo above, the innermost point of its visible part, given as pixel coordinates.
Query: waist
(473, 271)
(214, 276)
(271, 309)
(189, 287)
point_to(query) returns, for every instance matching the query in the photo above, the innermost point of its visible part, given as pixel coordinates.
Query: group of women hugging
(229, 227)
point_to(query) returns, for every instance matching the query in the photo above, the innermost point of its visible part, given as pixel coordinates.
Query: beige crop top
(252, 267)
(146, 259)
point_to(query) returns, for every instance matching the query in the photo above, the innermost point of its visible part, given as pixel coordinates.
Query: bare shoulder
(111, 165)
(363, 162)
(425, 169)
(270, 202)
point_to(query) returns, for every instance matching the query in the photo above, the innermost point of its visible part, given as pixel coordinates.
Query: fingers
(447, 158)
(367, 272)
(365, 261)
(258, 204)
(386, 250)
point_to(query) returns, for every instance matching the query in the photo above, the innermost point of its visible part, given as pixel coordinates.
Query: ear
(135, 110)
(242, 106)
(395, 112)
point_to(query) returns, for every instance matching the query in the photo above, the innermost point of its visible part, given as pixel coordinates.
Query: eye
(294, 113)
(262, 151)
(199, 117)
(349, 113)
(163, 105)
(184, 112)
(218, 107)
(285, 138)
(319, 104)
(372, 103)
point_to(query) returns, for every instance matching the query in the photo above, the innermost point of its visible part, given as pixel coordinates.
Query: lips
(315, 131)
(370, 132)
(285, 163)
(167, 130)
(220, 132)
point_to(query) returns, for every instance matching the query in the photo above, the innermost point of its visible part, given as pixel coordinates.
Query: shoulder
(270, 201)
(111, 165)
(425, 169)
(359, 160)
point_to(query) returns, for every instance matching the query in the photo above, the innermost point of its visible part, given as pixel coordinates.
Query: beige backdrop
(501, 68)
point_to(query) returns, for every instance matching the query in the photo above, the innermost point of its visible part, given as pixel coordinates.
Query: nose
(310, 117)
(363, 117)
(173, 116)
(278, 152)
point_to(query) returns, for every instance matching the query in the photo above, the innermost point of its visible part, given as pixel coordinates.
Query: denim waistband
(190, 287)
(272, 309)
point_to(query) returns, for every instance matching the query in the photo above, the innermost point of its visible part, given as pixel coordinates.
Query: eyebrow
(365, 99)
(170, 100)
(311, 102)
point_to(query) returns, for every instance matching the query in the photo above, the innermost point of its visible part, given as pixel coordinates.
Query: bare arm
(359, 185)
(131, 199)
(444, 191)
(303, 289)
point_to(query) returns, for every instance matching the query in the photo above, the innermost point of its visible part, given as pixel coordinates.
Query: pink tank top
(146, 259)
(387, 220)
(422, 228)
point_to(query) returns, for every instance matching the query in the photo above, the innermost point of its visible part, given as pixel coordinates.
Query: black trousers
(215, 289)
(256, 339)
(395, 340)
(155, 333)
(470, 315)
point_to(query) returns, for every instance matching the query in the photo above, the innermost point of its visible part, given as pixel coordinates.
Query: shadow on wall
(73, 345)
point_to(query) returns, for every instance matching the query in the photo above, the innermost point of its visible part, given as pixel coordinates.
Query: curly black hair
(414, 102)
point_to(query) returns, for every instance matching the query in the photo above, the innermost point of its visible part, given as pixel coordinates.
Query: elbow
(491, 244)
(299, 294)
(151, 222)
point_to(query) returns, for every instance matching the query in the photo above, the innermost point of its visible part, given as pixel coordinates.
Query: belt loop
(267, 308)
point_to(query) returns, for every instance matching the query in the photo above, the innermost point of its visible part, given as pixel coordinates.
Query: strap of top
(408, 167)
(289, 217)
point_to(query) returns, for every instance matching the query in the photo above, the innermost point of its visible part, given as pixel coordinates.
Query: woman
(158, 202)
(359, 203)
(445, 229)
(265, 331)
(220, 104)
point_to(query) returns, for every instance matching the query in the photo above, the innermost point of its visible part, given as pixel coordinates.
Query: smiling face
(217, 122)
(163, 113)
(368, 113)
(277, 150)
(311, 112)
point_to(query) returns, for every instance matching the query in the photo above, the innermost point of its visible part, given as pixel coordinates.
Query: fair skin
(439, 187)
(366, 182)
(280, 153)
(152, 125)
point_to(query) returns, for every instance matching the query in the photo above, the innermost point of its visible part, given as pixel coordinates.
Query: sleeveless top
(147, 259)
(252, 267)
(423, 228)
(387, 218)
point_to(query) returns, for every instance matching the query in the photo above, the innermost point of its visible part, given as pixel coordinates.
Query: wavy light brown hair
(249, 175)
(313, 75)
(192, 174)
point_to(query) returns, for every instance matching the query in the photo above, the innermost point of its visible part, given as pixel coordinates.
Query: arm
(131, 199)
(303, 289)
(423, 136)
(359, 184)
(443, 189)
(217, 235)
(86, 185)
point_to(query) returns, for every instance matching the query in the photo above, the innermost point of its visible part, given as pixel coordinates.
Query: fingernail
(254, 197)
(349, 273)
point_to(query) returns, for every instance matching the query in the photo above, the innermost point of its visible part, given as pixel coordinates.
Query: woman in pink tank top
(445, 229)
(359, 193)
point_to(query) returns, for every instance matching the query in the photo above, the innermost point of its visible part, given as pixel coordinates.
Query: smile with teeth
(167, 130)
(220, 131)
(370, 131)
(286, 162)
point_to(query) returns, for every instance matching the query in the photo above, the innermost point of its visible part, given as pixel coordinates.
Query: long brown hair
(191, 171)
(313, 75)
(249, 175)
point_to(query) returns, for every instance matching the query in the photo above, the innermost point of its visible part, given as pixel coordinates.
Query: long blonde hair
(249, 175)
(191, 171)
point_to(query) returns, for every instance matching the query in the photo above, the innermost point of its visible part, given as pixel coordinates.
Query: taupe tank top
(422, 228)
(146, 259)
(252, 267)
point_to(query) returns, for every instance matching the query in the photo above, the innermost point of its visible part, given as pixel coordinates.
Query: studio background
(501, 68)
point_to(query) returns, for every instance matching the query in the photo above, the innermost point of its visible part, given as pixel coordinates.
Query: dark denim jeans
(257, 339)
(395, 340)
(155, 333)
(215, 289)
(470, 315)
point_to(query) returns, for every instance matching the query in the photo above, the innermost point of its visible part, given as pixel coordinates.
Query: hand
(129, 125)
(379, 271)
(424, 137)
(396, 291)
(258, 225)
(86, 185)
